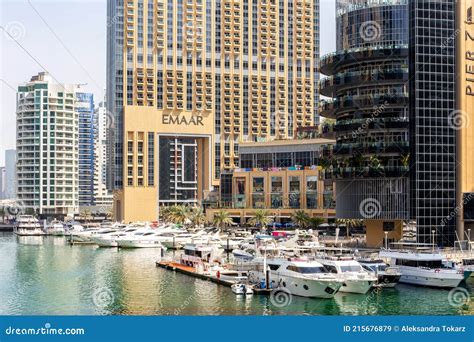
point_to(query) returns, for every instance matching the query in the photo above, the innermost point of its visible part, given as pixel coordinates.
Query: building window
(151, 159)
(294, 192)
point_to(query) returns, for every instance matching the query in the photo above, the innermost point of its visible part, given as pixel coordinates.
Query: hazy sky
(81, 26)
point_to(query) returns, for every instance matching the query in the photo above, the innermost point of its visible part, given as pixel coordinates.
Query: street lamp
(386, 240)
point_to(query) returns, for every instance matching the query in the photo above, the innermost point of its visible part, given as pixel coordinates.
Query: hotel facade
(281, 176)
(191, 80)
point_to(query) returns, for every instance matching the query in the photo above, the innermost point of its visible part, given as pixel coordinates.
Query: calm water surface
(46, 276)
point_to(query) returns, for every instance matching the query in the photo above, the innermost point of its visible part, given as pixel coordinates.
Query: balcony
(333, 62)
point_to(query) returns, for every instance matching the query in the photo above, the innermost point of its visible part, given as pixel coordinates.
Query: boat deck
(191, 271)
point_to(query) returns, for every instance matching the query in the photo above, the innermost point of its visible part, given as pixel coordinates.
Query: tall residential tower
(47, 146)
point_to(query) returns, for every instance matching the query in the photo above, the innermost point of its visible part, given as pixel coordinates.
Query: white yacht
(55, 228)
(176, 241)
(305, 278)
(355, 279)
(387, 276)
(27, 225)
(110, 237)
(85, 236)
(141, 239)
(426, 269)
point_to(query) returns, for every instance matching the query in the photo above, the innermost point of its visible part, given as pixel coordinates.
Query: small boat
(241, 289)
(387, 276)
(245, 255)
(27, 225)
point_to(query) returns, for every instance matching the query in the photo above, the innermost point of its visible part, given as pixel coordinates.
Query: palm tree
(86, 214)
(197, 216)
(221, 219)
(314, 222)
(349, 223)
(300, 218)
(179, 214)
(261, 218)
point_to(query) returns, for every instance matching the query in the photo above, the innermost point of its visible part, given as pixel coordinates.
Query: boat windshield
(351, 268)
(307, 269)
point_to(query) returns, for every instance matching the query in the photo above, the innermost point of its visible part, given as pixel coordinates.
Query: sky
(78, 57)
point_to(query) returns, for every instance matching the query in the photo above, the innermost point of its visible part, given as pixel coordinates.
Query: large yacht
(141, 239)
(420, 268)
(27, 225)
(302, 277)
(355, 278)
(111, 238)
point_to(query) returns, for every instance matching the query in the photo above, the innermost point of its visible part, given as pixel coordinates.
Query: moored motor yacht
(387, 276)
(355, 279)
(55, 228)
(177, 241)
(27, 225)
(301, 277)
(141, 239)
(420, 268)
(110, 237)
(85, 236)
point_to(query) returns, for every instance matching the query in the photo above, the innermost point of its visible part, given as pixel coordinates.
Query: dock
(6, 228)
(190, 271)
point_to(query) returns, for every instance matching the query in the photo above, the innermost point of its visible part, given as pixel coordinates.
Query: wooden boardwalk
(191, 271)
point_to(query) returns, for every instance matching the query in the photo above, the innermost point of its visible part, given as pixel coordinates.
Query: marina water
(47, 276)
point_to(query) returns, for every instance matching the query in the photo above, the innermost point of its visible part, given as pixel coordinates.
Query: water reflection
(45, 275)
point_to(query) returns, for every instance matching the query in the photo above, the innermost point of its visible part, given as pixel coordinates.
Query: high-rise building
(47, 146)
(87, 140)
(102, 196)
(2, 182)
(400, 137)
(10, 174)
(368, 81)
(190, 80)
(433, 126)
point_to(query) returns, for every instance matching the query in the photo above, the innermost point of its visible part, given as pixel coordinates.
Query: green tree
(314, 222)
(300, 218)
(261, 218)
(197, 216)
(221, 219)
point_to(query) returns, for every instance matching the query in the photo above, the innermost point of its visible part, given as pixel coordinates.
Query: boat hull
(311, 288)
(27, 232)
(388, 280)
(139, 244)
(359, 286)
